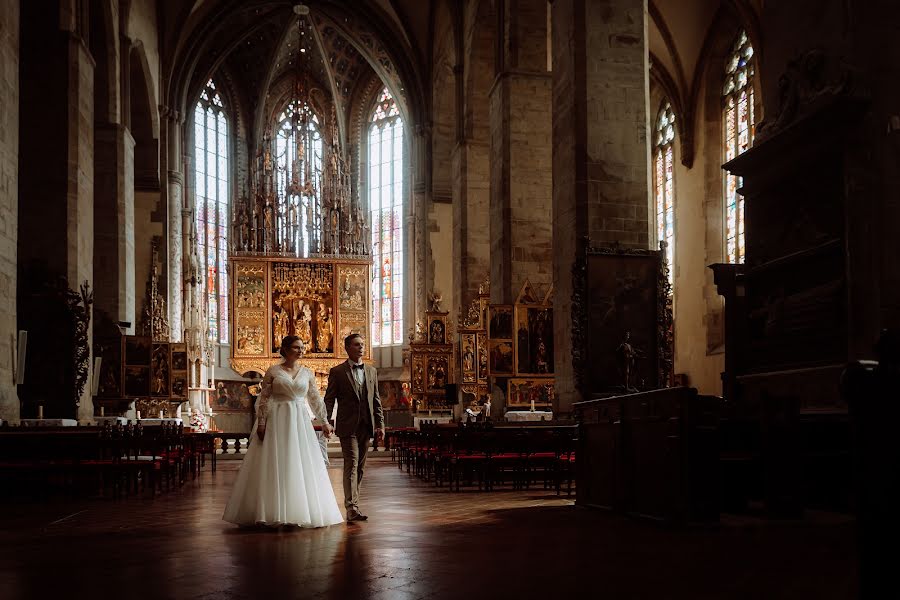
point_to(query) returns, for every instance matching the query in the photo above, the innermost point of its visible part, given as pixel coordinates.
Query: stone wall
(9, 203)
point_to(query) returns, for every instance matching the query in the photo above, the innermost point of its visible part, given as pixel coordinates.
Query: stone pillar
(471, 221)
(114, 223)
(520, 153)
(9, 203)
(417, 245)
(600, 148)
(175, 241)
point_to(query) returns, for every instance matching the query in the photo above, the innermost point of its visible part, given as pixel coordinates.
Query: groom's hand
(327, 430)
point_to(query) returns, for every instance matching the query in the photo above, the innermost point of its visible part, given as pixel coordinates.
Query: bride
(283, 480)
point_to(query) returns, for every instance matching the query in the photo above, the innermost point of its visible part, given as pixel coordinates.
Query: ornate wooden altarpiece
(321, 300)
(473, 350)
(431, 361)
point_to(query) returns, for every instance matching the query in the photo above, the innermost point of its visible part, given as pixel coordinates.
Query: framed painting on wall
(500, 323)
(522, 391)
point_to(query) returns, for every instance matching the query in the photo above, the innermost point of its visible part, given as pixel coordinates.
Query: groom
(359, 417)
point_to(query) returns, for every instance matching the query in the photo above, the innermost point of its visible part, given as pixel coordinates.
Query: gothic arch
(143, 119)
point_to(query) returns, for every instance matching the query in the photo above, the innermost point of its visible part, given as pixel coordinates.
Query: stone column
(418, 226)
(600, 150)
(175, 238)
(9, 204)
(520, 153)
(471, 221)
(114, 223)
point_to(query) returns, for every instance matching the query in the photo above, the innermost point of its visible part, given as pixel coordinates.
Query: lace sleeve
(262, 405)
(314, 398)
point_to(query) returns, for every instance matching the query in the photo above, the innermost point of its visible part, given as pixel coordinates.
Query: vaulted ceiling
(347, 44)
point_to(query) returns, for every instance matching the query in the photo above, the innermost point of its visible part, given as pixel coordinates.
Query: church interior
(623, 267)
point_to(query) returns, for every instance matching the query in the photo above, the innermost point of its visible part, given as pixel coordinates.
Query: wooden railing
(651, 454)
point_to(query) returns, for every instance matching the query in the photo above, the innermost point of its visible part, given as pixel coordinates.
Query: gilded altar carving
(274, 298)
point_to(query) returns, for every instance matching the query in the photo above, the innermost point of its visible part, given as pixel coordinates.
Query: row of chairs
(485, 456)
(108, 460)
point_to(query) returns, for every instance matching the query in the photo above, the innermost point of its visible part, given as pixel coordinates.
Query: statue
(626, 355)
(436, 299)
(325, 329)
(302, 324)
(468, 358)
(245, 231)
(420, 332)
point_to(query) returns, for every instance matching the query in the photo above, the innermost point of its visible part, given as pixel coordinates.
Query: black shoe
(355, 515)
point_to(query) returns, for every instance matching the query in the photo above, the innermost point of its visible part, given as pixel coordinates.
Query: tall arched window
(664, 183)
(212, 188)
(386, 212)
(297, 179)
(738, 119)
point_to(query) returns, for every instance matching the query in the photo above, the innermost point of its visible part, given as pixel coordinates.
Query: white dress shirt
(358, 374)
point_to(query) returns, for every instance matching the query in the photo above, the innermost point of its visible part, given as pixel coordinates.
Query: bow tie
(359, 366)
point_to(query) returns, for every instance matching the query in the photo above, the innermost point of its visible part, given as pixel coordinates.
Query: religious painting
(137, 350)
(250, 309)
(159, 371)
(137, 381)
(500, 357)
(353, 323)
(303, 305)
(534, 340)
(418, 373)
(524, 391)
(391, 394)
(232, 396)
(621, 326)
(482, 358)
(250, 286)
(352, 287)
(250, 339)
(179, 357)
(500, 325)
(110, 351)
(179, 385)
(468, 357)
(437, 373)
(437, 330)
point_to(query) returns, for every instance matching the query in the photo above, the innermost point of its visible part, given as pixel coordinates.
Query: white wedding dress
(283, 480)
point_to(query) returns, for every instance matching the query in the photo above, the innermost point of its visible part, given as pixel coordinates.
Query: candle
(138, 415)
(160, 414)
(102, 413)
(40, 412)
(532, 405)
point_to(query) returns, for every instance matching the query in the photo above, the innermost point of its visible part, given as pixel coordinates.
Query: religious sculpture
(436, 299)
(325, 328)
(627, 354)
(468, 359)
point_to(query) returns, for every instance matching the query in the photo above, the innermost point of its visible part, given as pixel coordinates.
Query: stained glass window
(386, 211)
(738, 119)
(211, 187)
(664, 184)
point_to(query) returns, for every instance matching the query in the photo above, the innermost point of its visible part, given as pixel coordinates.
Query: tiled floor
(419, 542)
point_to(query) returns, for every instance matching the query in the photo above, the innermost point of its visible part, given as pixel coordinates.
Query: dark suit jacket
(342, 387)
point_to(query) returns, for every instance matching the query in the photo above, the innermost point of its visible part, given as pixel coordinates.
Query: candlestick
(139, 415)
(532, 405)
(102, 412)
(160, 414)
(40, 412)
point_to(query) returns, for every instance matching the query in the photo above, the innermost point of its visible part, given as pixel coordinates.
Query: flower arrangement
(199, 421)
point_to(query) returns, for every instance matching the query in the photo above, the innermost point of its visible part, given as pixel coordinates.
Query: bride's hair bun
(288, 341)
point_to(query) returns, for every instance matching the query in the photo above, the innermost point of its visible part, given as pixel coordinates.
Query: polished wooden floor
(420, 542)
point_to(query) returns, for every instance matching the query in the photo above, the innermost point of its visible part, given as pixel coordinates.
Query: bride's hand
(327, 429)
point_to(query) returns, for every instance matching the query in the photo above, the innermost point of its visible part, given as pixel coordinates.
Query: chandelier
(300, 202)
